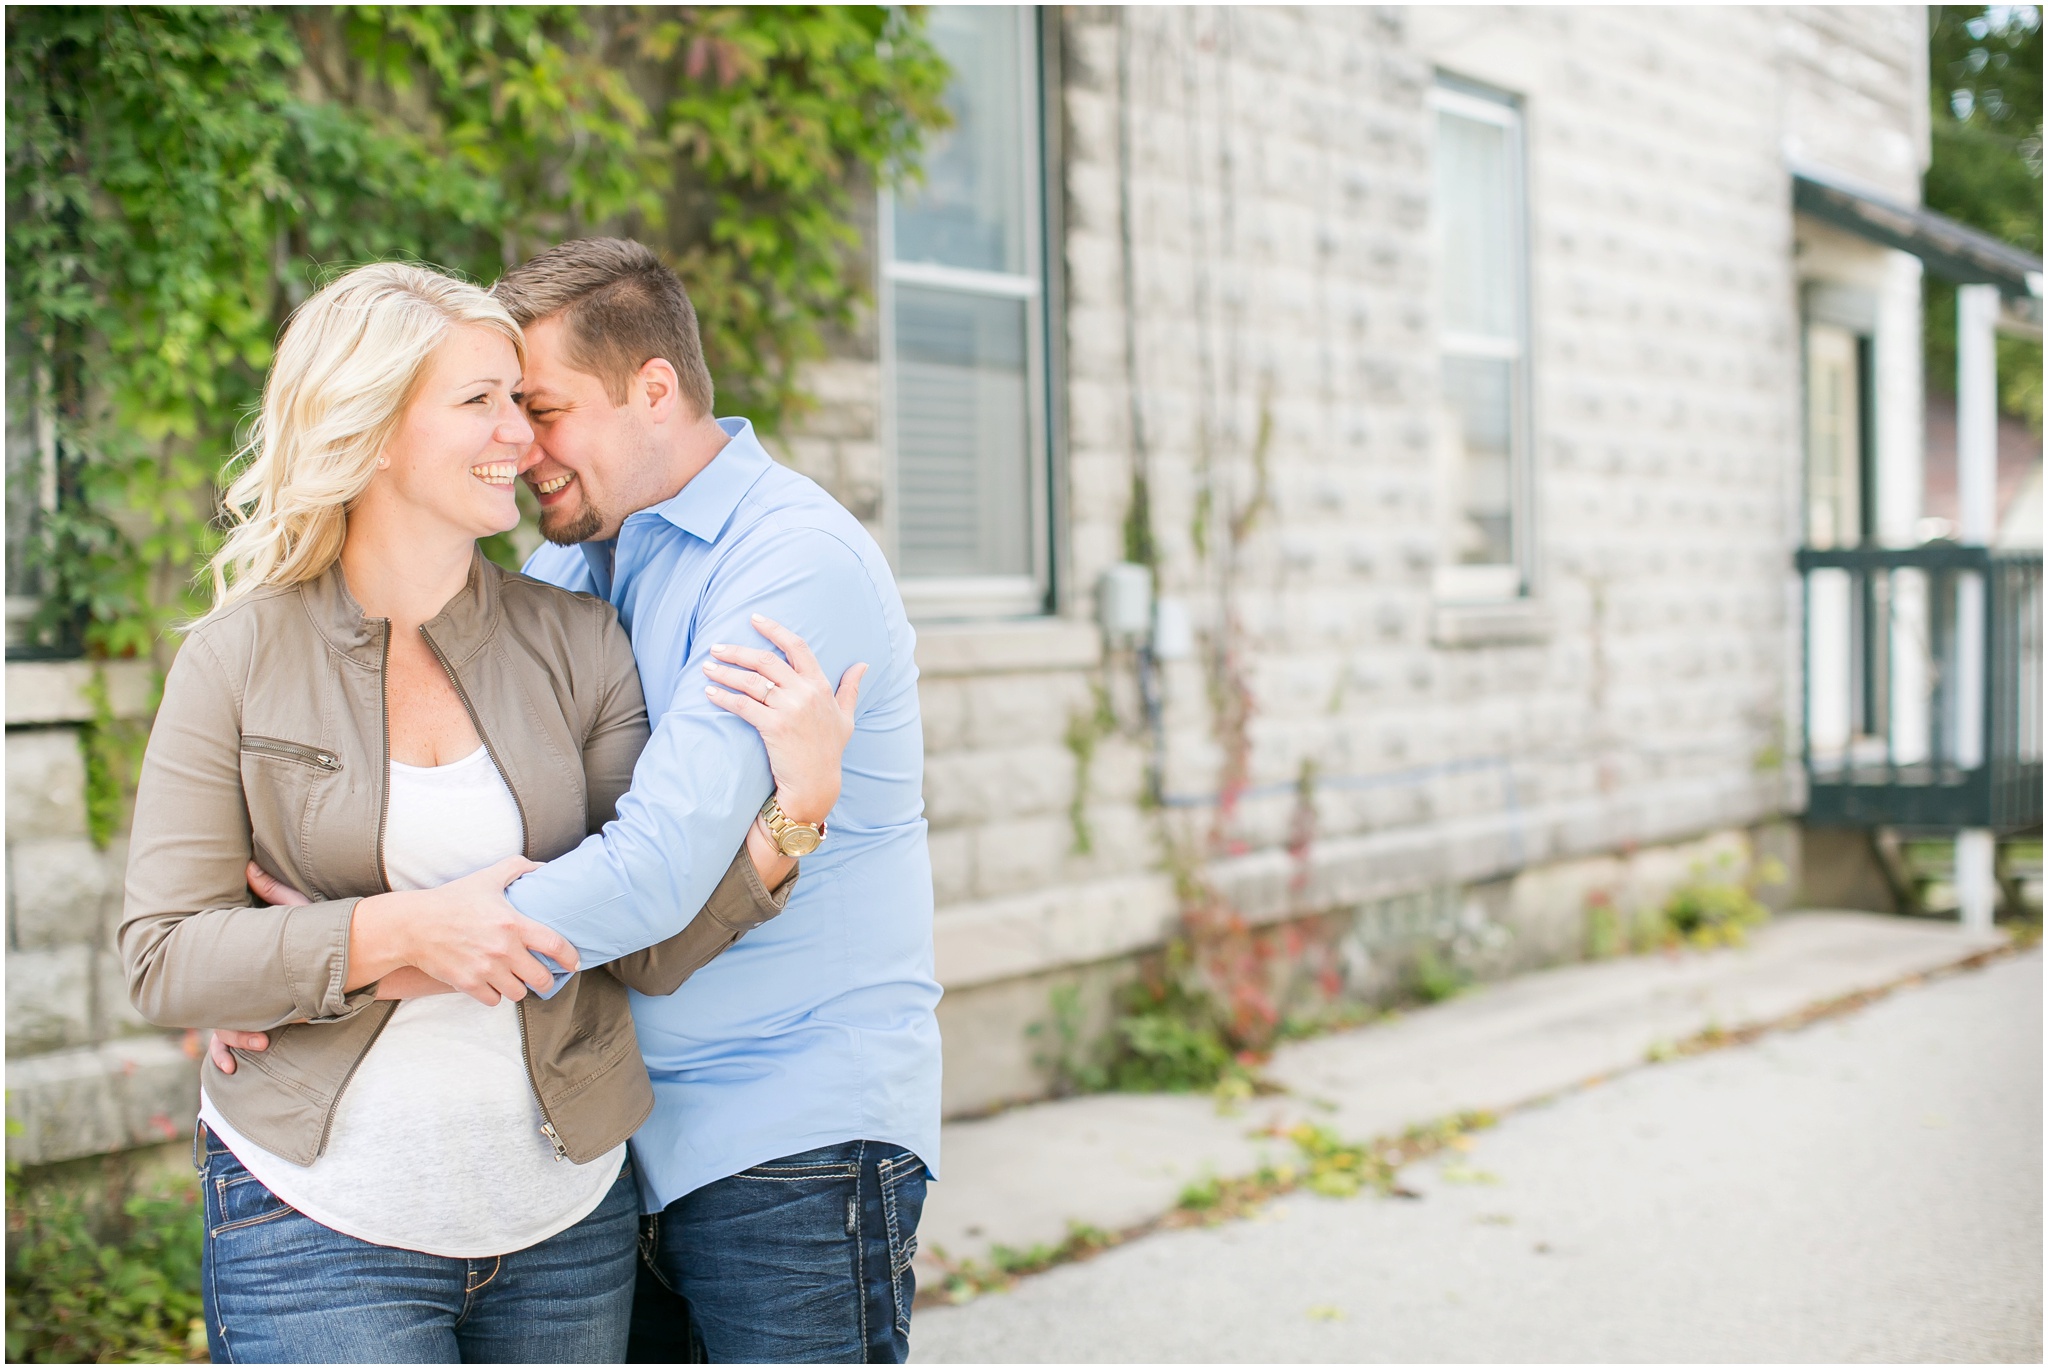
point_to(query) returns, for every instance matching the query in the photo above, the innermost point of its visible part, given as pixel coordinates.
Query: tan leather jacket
(271, 743)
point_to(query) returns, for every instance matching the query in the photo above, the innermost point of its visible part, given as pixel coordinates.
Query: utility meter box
(1123, 602)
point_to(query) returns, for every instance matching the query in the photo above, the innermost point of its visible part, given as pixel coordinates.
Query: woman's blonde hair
(351, 358)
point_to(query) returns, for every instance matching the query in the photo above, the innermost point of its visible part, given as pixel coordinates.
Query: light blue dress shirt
(818, 1027)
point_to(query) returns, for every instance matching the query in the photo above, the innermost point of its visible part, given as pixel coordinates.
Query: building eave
(1953, 251)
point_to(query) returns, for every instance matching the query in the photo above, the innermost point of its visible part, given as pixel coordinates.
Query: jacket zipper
(547, 1123)
(525, 830)
(292, 751)
(383, 815)
(334, 1103)
(384, 771)
(547, 1120)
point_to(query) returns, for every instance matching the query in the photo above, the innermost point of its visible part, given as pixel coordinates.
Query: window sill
(1002, 648)
(55, 691)
(972, 598)
(1503, 622)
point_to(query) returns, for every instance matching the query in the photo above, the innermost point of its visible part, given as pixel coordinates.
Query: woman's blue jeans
(280, 1288)
(805, 1259)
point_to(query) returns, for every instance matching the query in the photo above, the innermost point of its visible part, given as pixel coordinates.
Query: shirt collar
(704, 506)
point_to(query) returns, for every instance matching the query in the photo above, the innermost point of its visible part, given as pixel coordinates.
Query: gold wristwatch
(792, 838)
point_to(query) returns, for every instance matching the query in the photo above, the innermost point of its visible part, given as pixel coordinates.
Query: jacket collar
(462, 626)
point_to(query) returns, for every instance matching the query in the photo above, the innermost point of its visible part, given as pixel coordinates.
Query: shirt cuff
(561, 977)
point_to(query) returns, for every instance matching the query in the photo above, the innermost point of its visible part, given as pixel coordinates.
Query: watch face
(798, 841)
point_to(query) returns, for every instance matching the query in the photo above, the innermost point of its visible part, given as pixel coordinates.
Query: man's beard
(581, 526)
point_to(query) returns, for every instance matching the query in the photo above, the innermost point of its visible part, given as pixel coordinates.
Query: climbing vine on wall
(179, 178)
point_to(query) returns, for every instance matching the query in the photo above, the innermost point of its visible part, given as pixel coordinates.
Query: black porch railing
(1923, 708)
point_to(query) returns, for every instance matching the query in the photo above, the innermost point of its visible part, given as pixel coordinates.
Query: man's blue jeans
(805, 1259)
(279, 1288)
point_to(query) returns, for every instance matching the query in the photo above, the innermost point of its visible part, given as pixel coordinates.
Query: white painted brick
(139, 1091)
(952, 855)
(942, 705)
(1021, 854)
(1002, 709)
(992, 785)
(45, 783)
(57, 889)
(49, 999)
(116, 1014)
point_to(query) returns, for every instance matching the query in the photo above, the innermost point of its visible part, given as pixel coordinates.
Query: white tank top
(436, 1143)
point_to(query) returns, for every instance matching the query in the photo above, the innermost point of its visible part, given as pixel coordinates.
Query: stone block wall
(1254, 187)
(85, 1074)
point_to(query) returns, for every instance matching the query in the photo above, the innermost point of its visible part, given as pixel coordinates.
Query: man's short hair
(622, 309)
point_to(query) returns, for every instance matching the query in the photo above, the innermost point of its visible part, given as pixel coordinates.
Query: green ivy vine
(179, 178)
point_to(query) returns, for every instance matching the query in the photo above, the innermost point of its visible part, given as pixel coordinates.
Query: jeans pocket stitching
(796, 1174)
(900, 1250)
(222, 1184)
(284, 1210)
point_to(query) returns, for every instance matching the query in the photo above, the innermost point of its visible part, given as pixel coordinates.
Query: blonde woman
(427, 1162)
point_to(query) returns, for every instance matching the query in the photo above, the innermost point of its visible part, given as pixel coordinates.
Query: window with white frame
(963, 334)
(1482, 321)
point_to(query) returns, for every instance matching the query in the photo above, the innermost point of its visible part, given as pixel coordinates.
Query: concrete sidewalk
(1114, 1161)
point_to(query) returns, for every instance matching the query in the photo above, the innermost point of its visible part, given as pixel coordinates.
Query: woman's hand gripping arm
(803, 721)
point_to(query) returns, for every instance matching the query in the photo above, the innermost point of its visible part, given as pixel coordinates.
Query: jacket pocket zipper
(292, 751)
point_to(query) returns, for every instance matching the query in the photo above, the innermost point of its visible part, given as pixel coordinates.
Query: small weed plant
(1717, 905)
(1167, 1035)
(968, 1279)
(1324, 1163)
(1434, 977)
(122, 1289)
(1167, 1040)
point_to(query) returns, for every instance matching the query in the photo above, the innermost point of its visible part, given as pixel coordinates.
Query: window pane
(1475, 214)
(1833, 444)
(962, 434)
(1478, 463)
(969, 212)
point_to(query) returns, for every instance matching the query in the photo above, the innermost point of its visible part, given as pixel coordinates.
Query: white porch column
(1901, 408)
(1976, 879)
(1976, 414)
(1976, 516)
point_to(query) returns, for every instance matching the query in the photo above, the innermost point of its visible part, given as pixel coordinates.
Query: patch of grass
(968, 1279)
(1327, 1164)
(1433, 977)
(1718, 905)
(1166, 1036)
(1169, 1042)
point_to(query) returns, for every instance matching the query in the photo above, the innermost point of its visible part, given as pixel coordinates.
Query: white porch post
(1976, 515)
(1976, 413)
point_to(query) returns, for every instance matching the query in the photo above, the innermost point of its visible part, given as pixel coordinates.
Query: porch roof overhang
(1951, 250)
